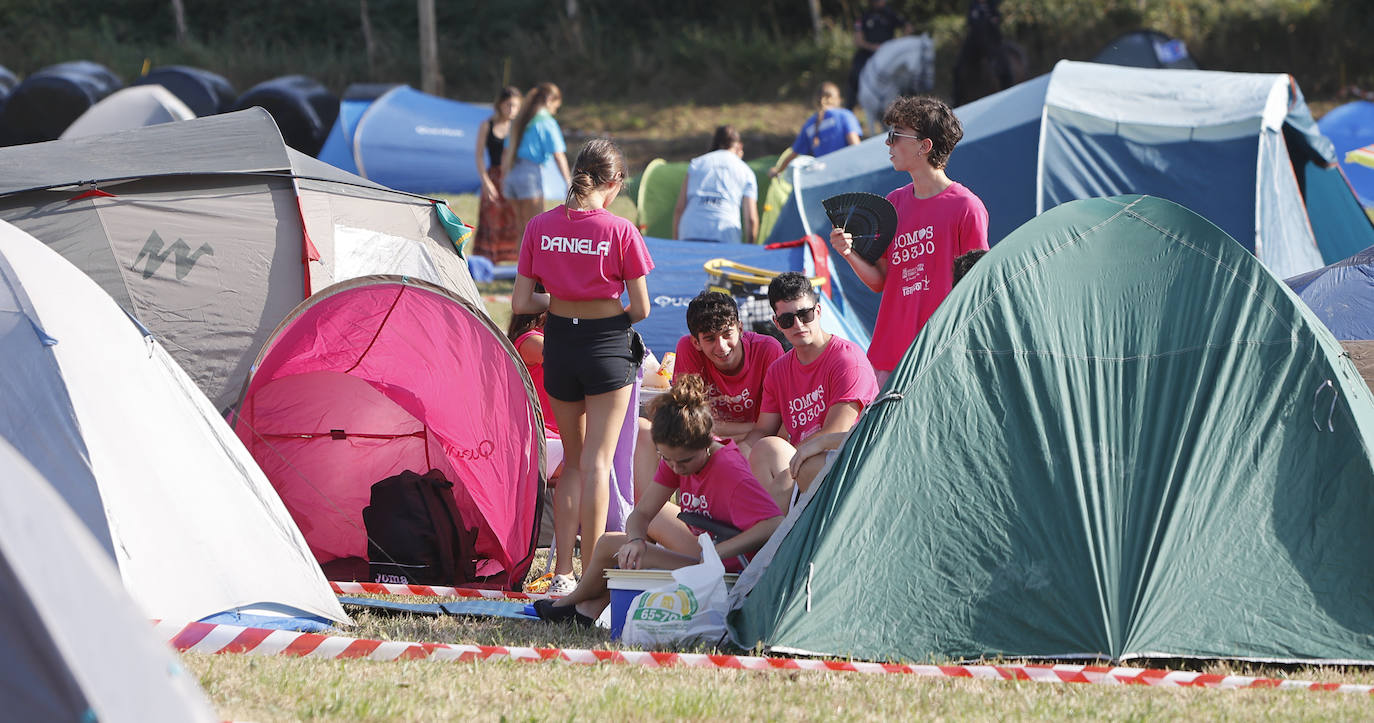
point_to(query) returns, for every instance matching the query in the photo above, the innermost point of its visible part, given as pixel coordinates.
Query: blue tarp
(1349, 127)
(1342, 296)
(1238, 148)
(415, 142)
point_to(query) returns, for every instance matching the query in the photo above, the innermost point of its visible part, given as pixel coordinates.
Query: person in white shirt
(718, 191)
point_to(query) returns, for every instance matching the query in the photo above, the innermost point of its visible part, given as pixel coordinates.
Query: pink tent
(380, 374)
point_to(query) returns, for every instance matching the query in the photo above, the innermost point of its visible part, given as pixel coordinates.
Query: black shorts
(583, 357)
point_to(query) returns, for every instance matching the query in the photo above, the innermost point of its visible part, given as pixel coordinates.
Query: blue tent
(1342, 295)
(1241, 149)
(204, 92)
(412, 141)
(42, 106)
(1349, 127)
(679, 274)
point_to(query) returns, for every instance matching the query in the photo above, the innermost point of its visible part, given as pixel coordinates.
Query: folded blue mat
(469, 608)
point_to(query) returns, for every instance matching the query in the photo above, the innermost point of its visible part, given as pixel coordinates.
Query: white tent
(75, 647)
(138, 452)
(210, 231)
(133, 107)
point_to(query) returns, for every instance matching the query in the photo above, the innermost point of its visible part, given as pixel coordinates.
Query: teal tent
(1120, 436)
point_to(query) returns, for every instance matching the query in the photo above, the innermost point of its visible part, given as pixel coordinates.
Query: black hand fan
(868, 217)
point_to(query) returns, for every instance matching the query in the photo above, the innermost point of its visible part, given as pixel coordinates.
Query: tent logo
(184, 257)
(484, 450)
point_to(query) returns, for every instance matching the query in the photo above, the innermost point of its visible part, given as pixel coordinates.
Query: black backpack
(415, 535)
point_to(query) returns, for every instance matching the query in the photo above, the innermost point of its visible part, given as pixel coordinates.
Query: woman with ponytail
(711, 477)
(585, 258)
(534, 138)
(829, 130)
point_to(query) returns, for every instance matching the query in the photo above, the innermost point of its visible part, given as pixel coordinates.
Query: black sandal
(548, 612)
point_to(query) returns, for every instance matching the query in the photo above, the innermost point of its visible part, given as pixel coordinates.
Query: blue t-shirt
(542, 139)
(830, 137)
(717, 184)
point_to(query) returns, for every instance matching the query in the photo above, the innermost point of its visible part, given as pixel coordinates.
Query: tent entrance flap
(356, 437)
(382, 374)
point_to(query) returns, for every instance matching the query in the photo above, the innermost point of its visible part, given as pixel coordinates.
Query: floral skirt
(496, 238)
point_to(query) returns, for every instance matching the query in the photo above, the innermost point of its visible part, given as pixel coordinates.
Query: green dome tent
(658, 187)
(1119, 437)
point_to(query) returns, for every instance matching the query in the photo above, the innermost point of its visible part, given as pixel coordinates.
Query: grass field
(245, 687)
(273, 688)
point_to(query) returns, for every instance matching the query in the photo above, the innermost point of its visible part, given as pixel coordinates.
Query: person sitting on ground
(711, 478)
(526, 334)
(829, 130)
(730, 360)
(937, 219)
(719, 189)
(813, 393)
(963, 263)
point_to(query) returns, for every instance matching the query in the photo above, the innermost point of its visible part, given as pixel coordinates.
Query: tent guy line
(214, 639)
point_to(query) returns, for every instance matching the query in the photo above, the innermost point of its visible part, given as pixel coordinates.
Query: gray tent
(210, 231)
(75, 647)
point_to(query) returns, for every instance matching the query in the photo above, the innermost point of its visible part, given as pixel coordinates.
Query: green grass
(275, 688)
(246, 687)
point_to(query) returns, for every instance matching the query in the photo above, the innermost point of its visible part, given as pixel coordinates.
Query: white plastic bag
(692, 608)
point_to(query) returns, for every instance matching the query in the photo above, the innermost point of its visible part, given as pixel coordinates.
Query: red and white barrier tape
(210, 638)
(379, 588)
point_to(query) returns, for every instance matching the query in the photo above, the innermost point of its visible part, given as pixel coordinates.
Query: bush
(709, 51)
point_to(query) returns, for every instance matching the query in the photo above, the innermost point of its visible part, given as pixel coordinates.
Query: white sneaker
(562, 585)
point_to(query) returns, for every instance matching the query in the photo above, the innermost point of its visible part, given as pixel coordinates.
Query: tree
(431, 79)
(179, 15)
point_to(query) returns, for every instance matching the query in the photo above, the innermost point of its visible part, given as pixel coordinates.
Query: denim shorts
(584, 357)
(525, 181)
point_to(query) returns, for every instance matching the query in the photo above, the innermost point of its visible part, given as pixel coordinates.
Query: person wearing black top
(878, 25)
(497, 238)
(983, 42)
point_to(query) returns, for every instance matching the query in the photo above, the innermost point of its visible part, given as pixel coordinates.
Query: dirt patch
(681, 132)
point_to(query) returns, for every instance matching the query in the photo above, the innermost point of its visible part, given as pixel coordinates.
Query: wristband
(634, 539)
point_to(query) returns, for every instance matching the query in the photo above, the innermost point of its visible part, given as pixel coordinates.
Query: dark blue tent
(42, 106)
(303, 109)
(1342, 295)
(1146, 49)
(1349, 127)
(205, 93)
(7, 82)
(412, 141)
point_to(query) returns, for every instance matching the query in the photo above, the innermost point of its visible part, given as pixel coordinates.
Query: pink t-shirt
(537, 376)
(724, 490)
(734, 397)
(931, 232)
(803, 393)
(582, 255)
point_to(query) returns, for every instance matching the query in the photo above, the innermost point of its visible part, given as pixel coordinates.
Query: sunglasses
(892, 137)
(785, 320)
